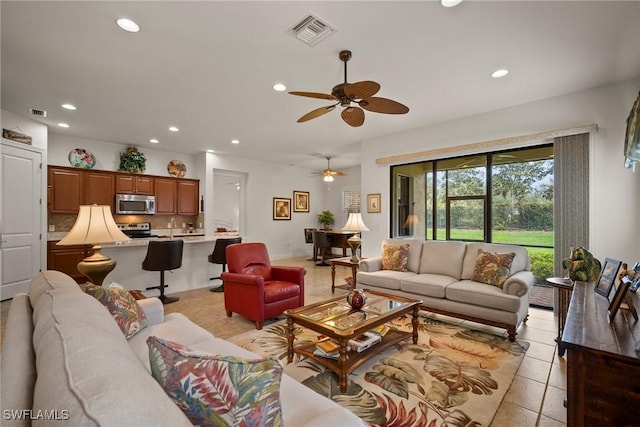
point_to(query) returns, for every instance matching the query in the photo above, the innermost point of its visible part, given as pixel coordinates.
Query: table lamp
(93, 226)
(355, 224)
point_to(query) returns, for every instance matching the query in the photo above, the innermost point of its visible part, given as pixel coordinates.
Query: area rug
(454, 376)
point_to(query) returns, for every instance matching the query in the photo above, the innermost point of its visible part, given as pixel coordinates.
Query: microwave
(135, 204)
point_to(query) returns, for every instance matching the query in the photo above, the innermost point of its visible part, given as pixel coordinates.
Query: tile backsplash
(64, 222)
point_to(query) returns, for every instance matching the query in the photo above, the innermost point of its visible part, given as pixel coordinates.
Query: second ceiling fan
(346, 94)
(328, 174)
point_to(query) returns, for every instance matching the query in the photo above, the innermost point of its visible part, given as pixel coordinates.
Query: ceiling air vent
(37, 112)
(312, 29)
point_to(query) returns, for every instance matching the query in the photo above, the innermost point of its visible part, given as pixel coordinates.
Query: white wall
(615, 191)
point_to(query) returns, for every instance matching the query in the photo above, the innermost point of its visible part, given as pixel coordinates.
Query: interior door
(20, 218)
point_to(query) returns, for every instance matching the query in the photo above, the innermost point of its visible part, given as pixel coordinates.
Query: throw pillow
(395, 257)
(493, 268)
(215, 390)
(123, 307)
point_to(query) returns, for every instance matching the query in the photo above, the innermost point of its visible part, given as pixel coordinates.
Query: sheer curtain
(571, 196)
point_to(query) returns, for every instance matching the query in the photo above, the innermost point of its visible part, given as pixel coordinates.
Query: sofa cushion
(122, 306)
(386, 279)
(443, 257)
(395, 257)
(520, 262)
(432, 285)
(481, 294)
(492, 268)
(415, 250)
(218, 390)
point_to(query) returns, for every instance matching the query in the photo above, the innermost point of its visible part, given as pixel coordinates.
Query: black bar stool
(219, 256)
(163, 255)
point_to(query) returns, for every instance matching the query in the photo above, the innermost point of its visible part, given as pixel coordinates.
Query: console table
(603, 365)
(564, 287)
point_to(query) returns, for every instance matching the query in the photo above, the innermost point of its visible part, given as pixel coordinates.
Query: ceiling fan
(328, 174)
(346, 94)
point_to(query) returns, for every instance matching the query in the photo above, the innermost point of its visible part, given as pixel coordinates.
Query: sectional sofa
(441, 273)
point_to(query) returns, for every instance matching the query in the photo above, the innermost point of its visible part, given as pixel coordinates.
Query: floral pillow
(215, 390)
(123, 307)
(492, 268)
(395, 257)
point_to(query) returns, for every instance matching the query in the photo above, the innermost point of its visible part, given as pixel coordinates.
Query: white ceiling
(209, 67)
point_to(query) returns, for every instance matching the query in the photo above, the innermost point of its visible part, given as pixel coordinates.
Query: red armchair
(256, 289)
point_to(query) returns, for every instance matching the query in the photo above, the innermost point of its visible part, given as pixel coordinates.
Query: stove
(140, 230)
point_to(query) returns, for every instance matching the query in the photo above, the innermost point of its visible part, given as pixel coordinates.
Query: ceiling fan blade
(336, 173)
(316, 113)
(314, 95)
(360, 90)
(383, 105)
(353, 116)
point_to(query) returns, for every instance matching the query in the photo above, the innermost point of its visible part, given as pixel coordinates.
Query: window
(350, 204)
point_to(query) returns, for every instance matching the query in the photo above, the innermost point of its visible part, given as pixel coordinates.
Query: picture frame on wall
(373, 203)
(281, 208)
(301, 201)
(607, 277)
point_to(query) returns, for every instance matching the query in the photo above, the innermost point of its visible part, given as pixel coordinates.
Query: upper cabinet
(188, 191)
(166, 195)
(99, 188)
(65, 189)
(134, 184)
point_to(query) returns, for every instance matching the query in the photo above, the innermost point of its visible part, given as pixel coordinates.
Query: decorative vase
(357, 298)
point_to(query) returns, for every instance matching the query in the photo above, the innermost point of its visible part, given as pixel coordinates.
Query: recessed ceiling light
(128, 25)
(210, 151)
(450, 3)
(154, 141)
(279, 87)
(63, 125)
(173, 129)
(499, 73)
(235, 141)
(69, 107)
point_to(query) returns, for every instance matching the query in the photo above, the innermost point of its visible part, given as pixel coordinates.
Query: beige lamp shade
(355, 224)
(94, 225)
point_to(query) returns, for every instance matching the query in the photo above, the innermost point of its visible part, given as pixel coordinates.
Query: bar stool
(219, 256)
(163, 255)
(321, 243)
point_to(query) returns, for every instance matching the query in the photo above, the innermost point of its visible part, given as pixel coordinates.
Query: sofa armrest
(371, 264)
(153, 310)
(288, 274)
(519, 283)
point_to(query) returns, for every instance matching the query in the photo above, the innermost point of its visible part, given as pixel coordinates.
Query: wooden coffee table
(334, 318)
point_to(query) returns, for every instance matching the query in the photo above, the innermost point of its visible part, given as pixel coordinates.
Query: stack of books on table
(326, 347)
(364, 341)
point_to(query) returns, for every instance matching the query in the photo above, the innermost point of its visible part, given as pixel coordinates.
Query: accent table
(345, 262)
(564, 287)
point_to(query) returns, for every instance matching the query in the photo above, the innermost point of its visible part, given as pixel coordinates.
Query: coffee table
(334, 318)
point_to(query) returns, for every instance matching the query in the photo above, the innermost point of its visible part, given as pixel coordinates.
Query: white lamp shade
(94, 225)
(355, 223)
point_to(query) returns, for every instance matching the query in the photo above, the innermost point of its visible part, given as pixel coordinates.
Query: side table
(565, 288)
(345, 262)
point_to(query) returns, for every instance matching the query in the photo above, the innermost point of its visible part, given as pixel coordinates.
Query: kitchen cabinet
(166, 195)
(134, 184)
(66, 259)
(188, 191)
(66, 189)
(99, 188)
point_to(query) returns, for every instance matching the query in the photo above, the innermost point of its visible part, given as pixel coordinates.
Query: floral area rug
(453, 377)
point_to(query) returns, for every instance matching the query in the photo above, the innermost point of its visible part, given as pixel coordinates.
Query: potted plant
(326, 218)
(132, 160)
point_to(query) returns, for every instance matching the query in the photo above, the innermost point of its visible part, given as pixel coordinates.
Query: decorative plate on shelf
(81, 158)
(176, 168)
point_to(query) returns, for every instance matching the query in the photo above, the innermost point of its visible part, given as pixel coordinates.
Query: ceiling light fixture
(235, 141)
(63, 125)
(154, 141)
(210, 151)
(69, 107)
(499, 73)
(450, 3)
(173, 129)
(327, 178)
(279, 87)
(128, 25)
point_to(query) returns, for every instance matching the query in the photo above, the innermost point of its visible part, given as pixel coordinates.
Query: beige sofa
(64, 358)
(440, 272)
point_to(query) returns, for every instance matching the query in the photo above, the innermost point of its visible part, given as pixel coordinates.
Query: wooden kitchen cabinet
(66, 259)
(99, 188)
(166, 195)
(188, 191)
(66, 189)
(134, 184)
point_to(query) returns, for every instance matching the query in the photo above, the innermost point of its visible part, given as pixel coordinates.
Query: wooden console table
(564, 287)
(603, 363)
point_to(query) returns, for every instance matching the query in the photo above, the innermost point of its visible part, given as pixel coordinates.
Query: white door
(20, 219)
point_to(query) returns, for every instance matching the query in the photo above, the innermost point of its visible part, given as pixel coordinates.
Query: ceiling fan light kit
(345, 94)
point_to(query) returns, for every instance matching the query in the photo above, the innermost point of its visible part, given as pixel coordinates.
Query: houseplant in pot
(132, 160)
(326, 218)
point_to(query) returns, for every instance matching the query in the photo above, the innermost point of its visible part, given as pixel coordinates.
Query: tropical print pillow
(123, 307)
(395, 257)
(215, 390)
(492, 268)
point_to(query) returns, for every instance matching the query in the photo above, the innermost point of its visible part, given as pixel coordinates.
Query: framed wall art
(618, 298)
(281, 208)
(301, 201)
(373, 203)
(607, 277)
